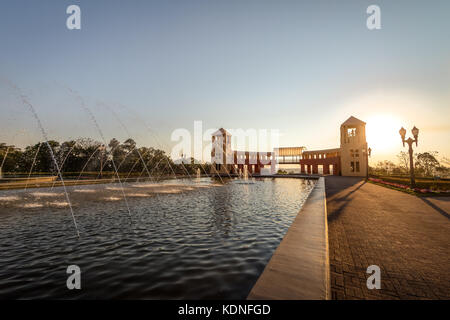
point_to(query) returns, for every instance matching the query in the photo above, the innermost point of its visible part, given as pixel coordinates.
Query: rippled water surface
(184, 239)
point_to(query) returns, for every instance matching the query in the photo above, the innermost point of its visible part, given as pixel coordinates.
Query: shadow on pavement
(336, 185)
(435, 207)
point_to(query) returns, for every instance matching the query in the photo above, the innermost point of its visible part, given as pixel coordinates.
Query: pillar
(315, 169)
(335, 170)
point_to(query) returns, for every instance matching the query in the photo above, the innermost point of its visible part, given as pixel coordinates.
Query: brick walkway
(406, 236)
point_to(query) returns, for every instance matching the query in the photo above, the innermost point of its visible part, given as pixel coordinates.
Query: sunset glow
(382, 133)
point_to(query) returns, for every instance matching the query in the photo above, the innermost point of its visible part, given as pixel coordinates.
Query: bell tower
(221, 153)
(353, 148)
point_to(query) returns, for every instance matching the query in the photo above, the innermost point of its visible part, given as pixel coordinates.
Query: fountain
(3, 162)
(155, 136)
(32, 165)
(94, 120)
(243, 177)
(196, 213)
(129, 135)
(26, 103)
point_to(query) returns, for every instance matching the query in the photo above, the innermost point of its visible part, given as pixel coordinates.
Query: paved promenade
(406, 236)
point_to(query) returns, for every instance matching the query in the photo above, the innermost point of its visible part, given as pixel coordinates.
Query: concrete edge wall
(299, 268)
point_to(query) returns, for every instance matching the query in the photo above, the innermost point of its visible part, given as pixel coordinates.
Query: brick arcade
(351, 159)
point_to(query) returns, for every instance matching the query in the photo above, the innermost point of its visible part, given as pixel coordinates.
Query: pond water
(185, 239)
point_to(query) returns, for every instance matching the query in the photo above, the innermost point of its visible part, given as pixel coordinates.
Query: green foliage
(88, 157)
(425, 165)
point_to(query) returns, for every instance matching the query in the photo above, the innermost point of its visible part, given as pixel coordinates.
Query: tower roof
(221, 132)
(353, 121)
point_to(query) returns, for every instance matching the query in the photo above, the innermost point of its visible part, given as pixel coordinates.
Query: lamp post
(368, 153)
(409, 141)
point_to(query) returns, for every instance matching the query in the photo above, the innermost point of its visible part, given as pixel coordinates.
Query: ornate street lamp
(409, 141)
(415, 133)
(403, 133)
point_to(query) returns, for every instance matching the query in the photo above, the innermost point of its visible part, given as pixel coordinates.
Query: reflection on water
(187, 239)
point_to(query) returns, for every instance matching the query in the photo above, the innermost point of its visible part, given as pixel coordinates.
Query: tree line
(425, 165)
(89, 157)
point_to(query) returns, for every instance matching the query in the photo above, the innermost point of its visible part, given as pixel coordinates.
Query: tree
(385, 167)
(38, 158)
(403, 158)
(9, 156)
(74, 155)
(115, 153)
(427, 163)
(88, 155)
(129, 145)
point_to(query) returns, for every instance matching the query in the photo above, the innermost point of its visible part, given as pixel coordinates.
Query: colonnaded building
(351, 159)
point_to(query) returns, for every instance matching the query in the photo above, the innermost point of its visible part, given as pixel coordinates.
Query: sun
(382, 132)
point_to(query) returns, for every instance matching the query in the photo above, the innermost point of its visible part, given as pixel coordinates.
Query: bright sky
(302, 67)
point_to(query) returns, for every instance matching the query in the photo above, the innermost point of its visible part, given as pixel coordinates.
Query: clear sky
(302, 67)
